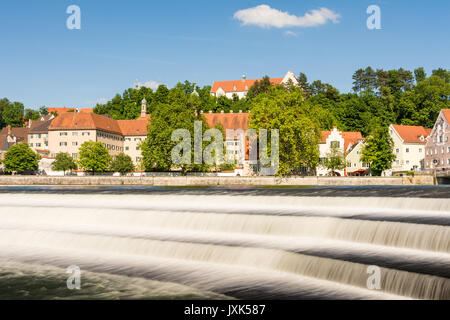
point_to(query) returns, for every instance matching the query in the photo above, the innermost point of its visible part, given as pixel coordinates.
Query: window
(127, 148)
(39, 135)
(74, 155)
(63, 133)
(74, 143)
(448, 161)
(335, 144)
(397, 162)
(86, 134)
(137, 148)
(448, 149)
(397, 150)
(38, 145)
(138, 159)
(420, 150)
(63, 144)
(407, 161)
(31, 144)
(407, 150)
(31, 136)
(74, 133)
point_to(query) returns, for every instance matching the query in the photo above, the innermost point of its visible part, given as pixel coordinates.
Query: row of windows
(109, 136)
(38, 136)
(407, 150)
(436, 150)
(442, 162)
(128, 148)
(37, 145)
(135, 139)
(112, 147)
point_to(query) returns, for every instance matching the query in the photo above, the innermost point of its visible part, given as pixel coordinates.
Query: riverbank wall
(215, 181)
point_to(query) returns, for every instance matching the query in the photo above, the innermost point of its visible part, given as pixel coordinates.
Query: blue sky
(44, 63)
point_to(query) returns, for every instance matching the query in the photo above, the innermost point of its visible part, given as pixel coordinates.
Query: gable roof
(240, 85)
(40, 126)
(446, 113)
(136, 127)
(412, 134)
(350, 137)
(61, 110)
(228, 120)
(84, 121)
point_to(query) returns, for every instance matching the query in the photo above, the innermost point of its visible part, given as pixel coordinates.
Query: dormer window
(234, 88)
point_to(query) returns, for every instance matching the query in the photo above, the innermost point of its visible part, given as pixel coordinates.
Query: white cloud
(150, 84)
(264, 16)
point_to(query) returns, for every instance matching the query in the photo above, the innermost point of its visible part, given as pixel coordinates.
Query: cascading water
(198, 245)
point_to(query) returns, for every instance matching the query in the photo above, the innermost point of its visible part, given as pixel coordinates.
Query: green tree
(286, 111)
(63, 162)
(43, 110)
(260, 86)
(179, 113)
(21, 158)
(378, 151)
(94, 157)
(443, 74)
(122, 163)
(334, 160)
(13, 114)
(419, 74)
(31, 114)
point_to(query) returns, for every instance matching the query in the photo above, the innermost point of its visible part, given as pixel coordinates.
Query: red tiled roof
(84, 121)
(228, 120)
(136, 127)
(240, 85)
(412, 134)
(350, 137)
(446, 113)
(61, 110)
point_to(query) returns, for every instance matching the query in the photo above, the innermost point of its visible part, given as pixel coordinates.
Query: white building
(241, 87)
(409, 147)
(344, 142)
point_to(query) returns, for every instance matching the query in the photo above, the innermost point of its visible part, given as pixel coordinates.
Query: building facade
(240, 87)
(69, 130)
(409, 147)
(437, 149)
(344, 142)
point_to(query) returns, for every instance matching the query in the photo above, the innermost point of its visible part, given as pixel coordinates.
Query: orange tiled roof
(412, 134)
(136, 127)
(446, 113)
(87, 110)
(61, 110)
(228, 120)
(350, 137)
(240, 85)
(84, 121)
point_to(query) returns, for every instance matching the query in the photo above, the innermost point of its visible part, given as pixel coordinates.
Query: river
(225, 243)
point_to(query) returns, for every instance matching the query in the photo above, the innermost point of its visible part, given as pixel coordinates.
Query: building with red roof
(241, 87)
(344, 142)
(437, 150)
(69, 130)
(409, 147)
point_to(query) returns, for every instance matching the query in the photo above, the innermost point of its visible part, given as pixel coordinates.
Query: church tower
(144, 108)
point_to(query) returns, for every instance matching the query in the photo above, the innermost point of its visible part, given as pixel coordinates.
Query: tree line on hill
(15, 114)
(379, 98)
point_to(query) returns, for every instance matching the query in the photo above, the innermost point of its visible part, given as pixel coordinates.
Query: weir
(237, 246)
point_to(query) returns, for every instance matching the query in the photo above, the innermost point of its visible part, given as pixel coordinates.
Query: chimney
(222, 112)
(9, 130)
(29, 123)
(210, 111)
(240, 111)
(244, 78)
(231, 111)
